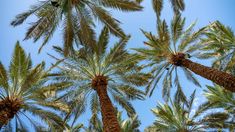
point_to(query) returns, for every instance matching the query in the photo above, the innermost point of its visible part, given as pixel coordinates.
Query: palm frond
(107, 19)
(123, 5)
(3, 77)
(19, 64)
(157, 6)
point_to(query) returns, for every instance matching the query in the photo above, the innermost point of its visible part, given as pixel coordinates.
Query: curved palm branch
(77, 18)
(98, 73)
(25, 93)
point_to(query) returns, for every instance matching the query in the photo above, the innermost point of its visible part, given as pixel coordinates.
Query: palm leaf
(3, 77)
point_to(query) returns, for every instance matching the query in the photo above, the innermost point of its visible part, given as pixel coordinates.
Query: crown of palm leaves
(118, 66)
(26, 91)
(77, 18)
(163, 50)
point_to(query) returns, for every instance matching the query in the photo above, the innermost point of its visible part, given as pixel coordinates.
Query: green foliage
(168, 42)
(77, 17)
(181, 116)
(177, 5)
(223, 99)
(30, 84)
(70, 93)
(220, 43)
(120, 67)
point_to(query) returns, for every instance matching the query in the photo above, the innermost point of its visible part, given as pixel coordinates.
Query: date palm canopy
(183, 116)
(76, 17)
(220, 44)
(116, 66)
(162, 47)
(25, 95)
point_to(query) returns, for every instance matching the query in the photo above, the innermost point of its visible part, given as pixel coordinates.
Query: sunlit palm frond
(177, 5)
(168, 42)
(220, 42)
(24, 95)
(117, 64)
(182, 115)
(77, 17)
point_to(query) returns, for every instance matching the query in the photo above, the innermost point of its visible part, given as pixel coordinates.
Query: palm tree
(177, 5)
(167, 52)
(181, 116)
(97, 72)
(76, 17)
(171, 49)
(220, 42)
(224, 99)
(25, 91)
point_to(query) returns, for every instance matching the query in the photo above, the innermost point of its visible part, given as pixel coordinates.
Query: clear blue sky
(204, 11)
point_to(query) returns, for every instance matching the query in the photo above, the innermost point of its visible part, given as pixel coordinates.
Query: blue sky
(204, 11)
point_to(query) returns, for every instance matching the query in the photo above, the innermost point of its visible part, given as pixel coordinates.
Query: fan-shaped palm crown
(76, 17)
(24, 92)
(96, 71)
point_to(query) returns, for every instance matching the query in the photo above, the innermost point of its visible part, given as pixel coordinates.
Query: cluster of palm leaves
(90, 74)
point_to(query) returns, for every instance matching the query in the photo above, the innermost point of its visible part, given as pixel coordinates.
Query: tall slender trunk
(219, 77)
(109, 117)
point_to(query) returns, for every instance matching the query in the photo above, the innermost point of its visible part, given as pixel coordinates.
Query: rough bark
(109, 117)
(219, 77)
(8, 109)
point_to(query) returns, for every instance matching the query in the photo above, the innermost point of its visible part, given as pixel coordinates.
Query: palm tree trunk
(109, 118)
(219, 77)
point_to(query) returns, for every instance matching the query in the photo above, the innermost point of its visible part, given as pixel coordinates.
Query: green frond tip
(3, 77)
(157, 6)
(124, 5)
(19, 63)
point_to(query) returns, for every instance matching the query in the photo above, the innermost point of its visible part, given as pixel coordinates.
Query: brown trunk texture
(8, 109)
(108, 112)
(219, 77)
